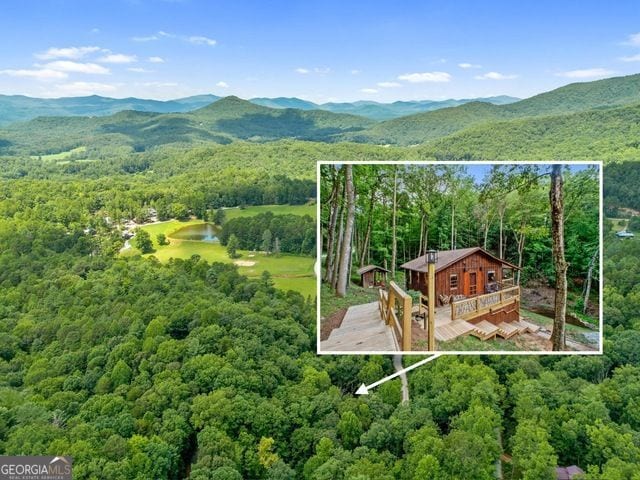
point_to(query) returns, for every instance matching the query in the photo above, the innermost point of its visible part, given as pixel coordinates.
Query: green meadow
(289, 272)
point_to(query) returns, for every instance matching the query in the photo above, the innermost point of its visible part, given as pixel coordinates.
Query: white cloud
(118, 58)
(68, 52)
(200, 40)
(150, 38)
(586, 73)
(39, 74)
(425, 77)
(369, 90)
(139, 70)
(632, 58)
(633, 40)
(322, 70)
(94, 30)
(193, 39)
(85, 88)
(158, 84)
(389, 84)
(302, 71)
(495, 76)
(469, 65)
(355, 71)
(222, 85)
(156, 59)
(69, 66)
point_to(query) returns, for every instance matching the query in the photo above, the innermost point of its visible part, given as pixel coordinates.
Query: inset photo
(459, 257)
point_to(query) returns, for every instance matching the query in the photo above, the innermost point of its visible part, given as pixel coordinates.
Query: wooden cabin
(467, 271)
(372, 276)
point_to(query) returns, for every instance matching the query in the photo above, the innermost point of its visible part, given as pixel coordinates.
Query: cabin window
(491, 276)
(453, 281)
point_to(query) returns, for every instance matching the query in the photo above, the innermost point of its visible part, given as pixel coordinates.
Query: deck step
(484, 330)
(530, 327)
(507, 330)
(453, 330)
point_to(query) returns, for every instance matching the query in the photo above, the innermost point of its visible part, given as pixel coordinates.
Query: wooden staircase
(362, 330)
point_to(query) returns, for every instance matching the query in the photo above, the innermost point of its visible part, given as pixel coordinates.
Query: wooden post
(453, 311)
(391, 303)
(431, 334)
(406, 324)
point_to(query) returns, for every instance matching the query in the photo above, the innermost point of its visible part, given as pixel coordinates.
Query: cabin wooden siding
(477, 264)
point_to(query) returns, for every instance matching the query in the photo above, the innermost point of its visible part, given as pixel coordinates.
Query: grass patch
(548, 322)
(52, 157)
(289, 272)
(355, 296)
(469, 343)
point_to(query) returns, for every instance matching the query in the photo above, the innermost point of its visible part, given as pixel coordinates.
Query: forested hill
(607, 134)
(575, 97)
(224, 121)
(579, 121)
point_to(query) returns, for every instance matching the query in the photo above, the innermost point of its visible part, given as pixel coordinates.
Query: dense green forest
(272, 233)
(147, 370)
(183, 368)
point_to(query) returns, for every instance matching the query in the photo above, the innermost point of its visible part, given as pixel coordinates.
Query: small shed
(372, 276)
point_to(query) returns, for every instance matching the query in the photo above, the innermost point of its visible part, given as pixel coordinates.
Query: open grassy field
(62, 155)
(290, 272)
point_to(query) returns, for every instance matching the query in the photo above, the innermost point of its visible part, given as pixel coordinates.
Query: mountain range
(19, 108)
(586, 115)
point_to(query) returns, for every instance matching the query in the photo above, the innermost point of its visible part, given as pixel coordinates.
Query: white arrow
(364, 389)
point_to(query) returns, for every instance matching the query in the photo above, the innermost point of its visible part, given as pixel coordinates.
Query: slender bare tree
(557, 234)
(345, 252)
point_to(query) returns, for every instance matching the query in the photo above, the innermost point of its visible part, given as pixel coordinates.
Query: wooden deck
(362, 330)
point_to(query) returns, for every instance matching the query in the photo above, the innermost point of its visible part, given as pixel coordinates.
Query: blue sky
(317, 50)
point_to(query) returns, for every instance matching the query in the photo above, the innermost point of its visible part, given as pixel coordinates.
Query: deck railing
(395, 310)
(473, 307)
(507, 282)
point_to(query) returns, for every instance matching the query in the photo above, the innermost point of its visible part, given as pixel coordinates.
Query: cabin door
(471, 284)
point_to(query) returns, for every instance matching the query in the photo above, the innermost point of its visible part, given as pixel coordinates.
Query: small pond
(203, 232)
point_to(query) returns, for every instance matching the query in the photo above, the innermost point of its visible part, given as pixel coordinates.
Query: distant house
(625, 234)
(372, 276)
(568, 473)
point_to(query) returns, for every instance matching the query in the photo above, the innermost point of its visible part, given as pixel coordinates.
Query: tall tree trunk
(338, 249)
(520, 241)
(425, 246)
(331, 238)
(587, 290)
(453, 223)
(501, 210)
(421, 233)
(557, 235)
(345, 254)
(394, 240)
(367, 234)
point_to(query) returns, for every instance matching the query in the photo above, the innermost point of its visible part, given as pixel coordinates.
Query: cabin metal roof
(447, 258)
(369, 268)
